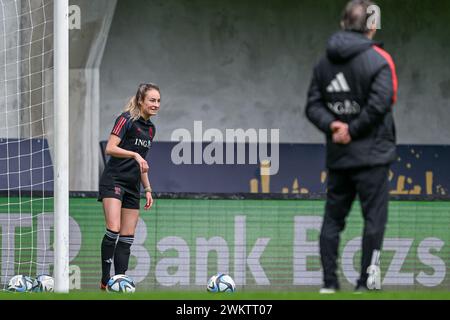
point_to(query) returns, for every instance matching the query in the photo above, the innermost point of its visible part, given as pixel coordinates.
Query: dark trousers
(371, 184)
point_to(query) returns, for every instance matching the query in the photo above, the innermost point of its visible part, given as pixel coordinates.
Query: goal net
(26, 138)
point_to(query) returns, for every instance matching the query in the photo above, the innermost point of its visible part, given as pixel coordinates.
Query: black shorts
(130, 200)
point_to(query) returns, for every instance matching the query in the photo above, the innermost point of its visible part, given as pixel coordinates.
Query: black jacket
(355, 83)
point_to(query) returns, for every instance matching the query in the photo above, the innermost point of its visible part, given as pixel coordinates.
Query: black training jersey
(136, 136)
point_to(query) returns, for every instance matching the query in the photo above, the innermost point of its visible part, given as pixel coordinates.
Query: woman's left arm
(148, 191)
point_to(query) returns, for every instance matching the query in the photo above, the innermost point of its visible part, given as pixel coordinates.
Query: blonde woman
(119, 189)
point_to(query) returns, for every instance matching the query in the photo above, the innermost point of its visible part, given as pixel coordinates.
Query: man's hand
(343, 138)
(340, 132)
(337, 125)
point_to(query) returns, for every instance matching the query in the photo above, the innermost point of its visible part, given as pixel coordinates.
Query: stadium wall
(87, 44)
(262, 244)
(247, 64)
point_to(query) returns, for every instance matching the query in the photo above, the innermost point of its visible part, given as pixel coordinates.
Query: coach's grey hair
(354, 16)
(133, 106)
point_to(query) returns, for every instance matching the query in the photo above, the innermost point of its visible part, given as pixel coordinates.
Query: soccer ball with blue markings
(221, 283)
(43, 283)
(121, 283)
(20, 283)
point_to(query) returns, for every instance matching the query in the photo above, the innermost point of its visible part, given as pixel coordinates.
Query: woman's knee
(113, 226)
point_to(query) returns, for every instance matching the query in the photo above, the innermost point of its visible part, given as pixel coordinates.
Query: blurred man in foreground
(350, 99)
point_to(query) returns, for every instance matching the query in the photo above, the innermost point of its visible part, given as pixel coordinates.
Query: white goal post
(34, 140)
(61, 138)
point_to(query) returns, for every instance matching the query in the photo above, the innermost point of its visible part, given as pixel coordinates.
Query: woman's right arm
(113, 149)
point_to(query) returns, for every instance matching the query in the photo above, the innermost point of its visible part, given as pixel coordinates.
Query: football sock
(108, 246)
(122, 253)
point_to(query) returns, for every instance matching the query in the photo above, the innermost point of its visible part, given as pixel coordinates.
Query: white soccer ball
(121, 283)
(43, 283)
(20, 283)
(221, 283)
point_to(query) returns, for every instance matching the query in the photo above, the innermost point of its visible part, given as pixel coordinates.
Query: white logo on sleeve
(338, 84)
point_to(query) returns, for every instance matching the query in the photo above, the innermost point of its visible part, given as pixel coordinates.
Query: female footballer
(119, 189)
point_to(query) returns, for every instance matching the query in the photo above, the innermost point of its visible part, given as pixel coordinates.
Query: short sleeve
(152, 132)
(120, 126)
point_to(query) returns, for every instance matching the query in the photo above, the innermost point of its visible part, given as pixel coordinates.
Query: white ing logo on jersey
(344, 107)
(143, 143)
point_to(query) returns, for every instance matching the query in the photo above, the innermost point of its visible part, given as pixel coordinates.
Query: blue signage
(418, 170)
(421, 170)
(25, 165)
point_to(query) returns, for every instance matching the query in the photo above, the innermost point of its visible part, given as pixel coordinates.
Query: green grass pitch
(382, 295)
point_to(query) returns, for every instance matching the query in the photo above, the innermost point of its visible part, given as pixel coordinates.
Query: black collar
(148, 121)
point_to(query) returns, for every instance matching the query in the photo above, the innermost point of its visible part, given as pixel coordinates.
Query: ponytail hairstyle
(134, 105)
